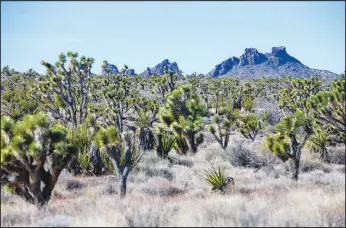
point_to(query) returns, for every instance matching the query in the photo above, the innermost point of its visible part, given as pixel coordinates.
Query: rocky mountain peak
(251, 57)
(280, 56)
(159, 68)
(253, 64)
(279, 51)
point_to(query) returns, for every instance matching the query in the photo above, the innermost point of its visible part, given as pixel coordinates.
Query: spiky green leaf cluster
(215, 177)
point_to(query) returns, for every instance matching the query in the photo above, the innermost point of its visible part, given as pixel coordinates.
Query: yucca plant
(165, 143)
(218, 180)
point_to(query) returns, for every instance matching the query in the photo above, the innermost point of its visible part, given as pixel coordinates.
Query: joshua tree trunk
(225, 144)
(159, 145)
(295, 169)
(192, 143)
(217, 104)
(297, 149)
(122, 172)
(29, 186)
(324, 154)
(123, 180)
(146, 139)
(95, 158)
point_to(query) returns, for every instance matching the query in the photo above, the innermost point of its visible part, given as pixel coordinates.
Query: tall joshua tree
(32, 153)
(298, 94)
(183, 113)
(66, 91)
(329, 108)
(292, 134)
(117, 98)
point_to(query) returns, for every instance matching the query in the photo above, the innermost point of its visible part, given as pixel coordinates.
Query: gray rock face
(279, 56)
(130, 72)
(224, 67)
(251, 57)
(159, 68)
(113, 70)
(278, 63)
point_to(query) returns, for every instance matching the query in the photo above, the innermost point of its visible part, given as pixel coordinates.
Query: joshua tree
(171, 78)
(183, 113)
(16, 100)
(117, 98)
(248, 104)
(123, 71)
(105, 68)
(297, 95)
(224, 122)
(292, 134)
(146, 115)
(122, 150)
(250, 127)
(33, 153)
(329, 108)
(164, 84)
(66, 91)
(6, 70)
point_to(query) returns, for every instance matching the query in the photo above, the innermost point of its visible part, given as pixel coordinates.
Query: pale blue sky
(197, 35)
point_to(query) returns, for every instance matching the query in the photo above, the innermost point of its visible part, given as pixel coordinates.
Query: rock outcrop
(278, 63)
(159, 68)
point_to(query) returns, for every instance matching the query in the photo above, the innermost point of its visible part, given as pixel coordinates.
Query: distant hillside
(253, 64)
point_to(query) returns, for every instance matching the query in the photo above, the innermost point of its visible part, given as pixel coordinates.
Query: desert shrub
(239, 155)
(272, 116)
(337, 155)
(73, 184)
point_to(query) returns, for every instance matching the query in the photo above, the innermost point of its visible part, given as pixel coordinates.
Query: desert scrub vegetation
(71, 141)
